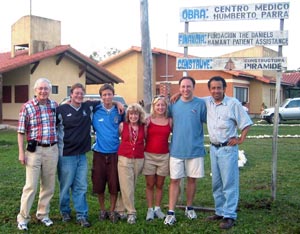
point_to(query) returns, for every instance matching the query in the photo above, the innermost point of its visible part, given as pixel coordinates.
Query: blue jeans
(225, 180)
(72, 176)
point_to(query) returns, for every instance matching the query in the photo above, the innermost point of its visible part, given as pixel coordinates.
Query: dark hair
(217, 78)
(244, 103)
(77, 85)
(106, 87)
(188, 78)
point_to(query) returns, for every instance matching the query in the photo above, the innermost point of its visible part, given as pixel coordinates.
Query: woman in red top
(131, 156)
(156, 165)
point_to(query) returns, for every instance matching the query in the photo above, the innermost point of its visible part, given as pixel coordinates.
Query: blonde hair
(137, 108)
(155, 100)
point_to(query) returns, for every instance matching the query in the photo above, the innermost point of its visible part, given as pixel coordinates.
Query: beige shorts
(156, 164)
(180, 168)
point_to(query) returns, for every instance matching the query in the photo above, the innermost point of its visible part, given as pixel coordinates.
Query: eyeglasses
(43, 88)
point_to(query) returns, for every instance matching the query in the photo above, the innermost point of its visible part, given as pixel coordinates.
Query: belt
(46, 145)
(220, 144)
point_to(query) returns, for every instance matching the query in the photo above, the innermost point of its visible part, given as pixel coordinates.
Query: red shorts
(105, 171)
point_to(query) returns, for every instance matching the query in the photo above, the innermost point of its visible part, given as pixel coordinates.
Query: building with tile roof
(254, 87)
(294, 79)
(36, 52)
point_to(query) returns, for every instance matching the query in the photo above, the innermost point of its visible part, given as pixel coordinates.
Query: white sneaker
(170, 220)
(22, 226)
(150, 215)
(190, 214)
(131, 219)
(48, 222)
(159, 214)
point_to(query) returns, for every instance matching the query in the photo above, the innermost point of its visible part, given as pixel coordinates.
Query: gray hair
(42, 80)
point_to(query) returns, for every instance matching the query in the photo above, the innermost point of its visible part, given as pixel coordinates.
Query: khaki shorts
(180, 168)
(156, 164)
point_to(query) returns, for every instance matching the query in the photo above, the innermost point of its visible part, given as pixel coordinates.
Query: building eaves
(120, 55)
(95, 73)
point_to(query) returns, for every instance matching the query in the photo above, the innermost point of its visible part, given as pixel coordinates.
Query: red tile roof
(292, 78)
(22, 58)
(7, 63)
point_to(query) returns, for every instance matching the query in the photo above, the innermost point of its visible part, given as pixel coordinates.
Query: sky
(95, 25)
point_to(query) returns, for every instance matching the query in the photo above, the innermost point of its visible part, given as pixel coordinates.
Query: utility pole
(147, 54)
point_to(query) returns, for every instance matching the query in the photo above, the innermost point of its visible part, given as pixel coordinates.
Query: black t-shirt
(74, 128)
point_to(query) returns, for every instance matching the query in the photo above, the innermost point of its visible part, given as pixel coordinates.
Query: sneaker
(150, 214)
(83, 222)
(22, 226)
(131, 219)
(170, 219)
(190, 213)
(66, 217)
(48, 222)
(159, 214)
(122, 215)
(103, 215)
(113, 217)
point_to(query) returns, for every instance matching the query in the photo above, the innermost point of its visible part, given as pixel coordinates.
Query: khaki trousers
(40, 165)
(128, 170)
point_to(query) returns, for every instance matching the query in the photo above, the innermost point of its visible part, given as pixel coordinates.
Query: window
(272, 97)
(157, 91)
(21, 93)
(241, 93)
(54, 89)
(6, 94)
(68, 90)
(294, 104)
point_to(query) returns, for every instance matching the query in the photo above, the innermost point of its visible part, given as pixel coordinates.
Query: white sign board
(234, 63)
(266, 38)
(256, 11)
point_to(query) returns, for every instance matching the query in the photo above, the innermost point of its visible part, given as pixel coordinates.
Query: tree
(99, 56)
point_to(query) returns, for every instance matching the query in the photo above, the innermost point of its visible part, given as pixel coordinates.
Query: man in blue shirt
(225, 115)
(187, 147)
(106, 120)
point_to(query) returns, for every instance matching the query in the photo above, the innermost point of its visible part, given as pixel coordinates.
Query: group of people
(60, 136)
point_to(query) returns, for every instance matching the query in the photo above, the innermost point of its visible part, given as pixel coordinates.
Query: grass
(257, 212)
